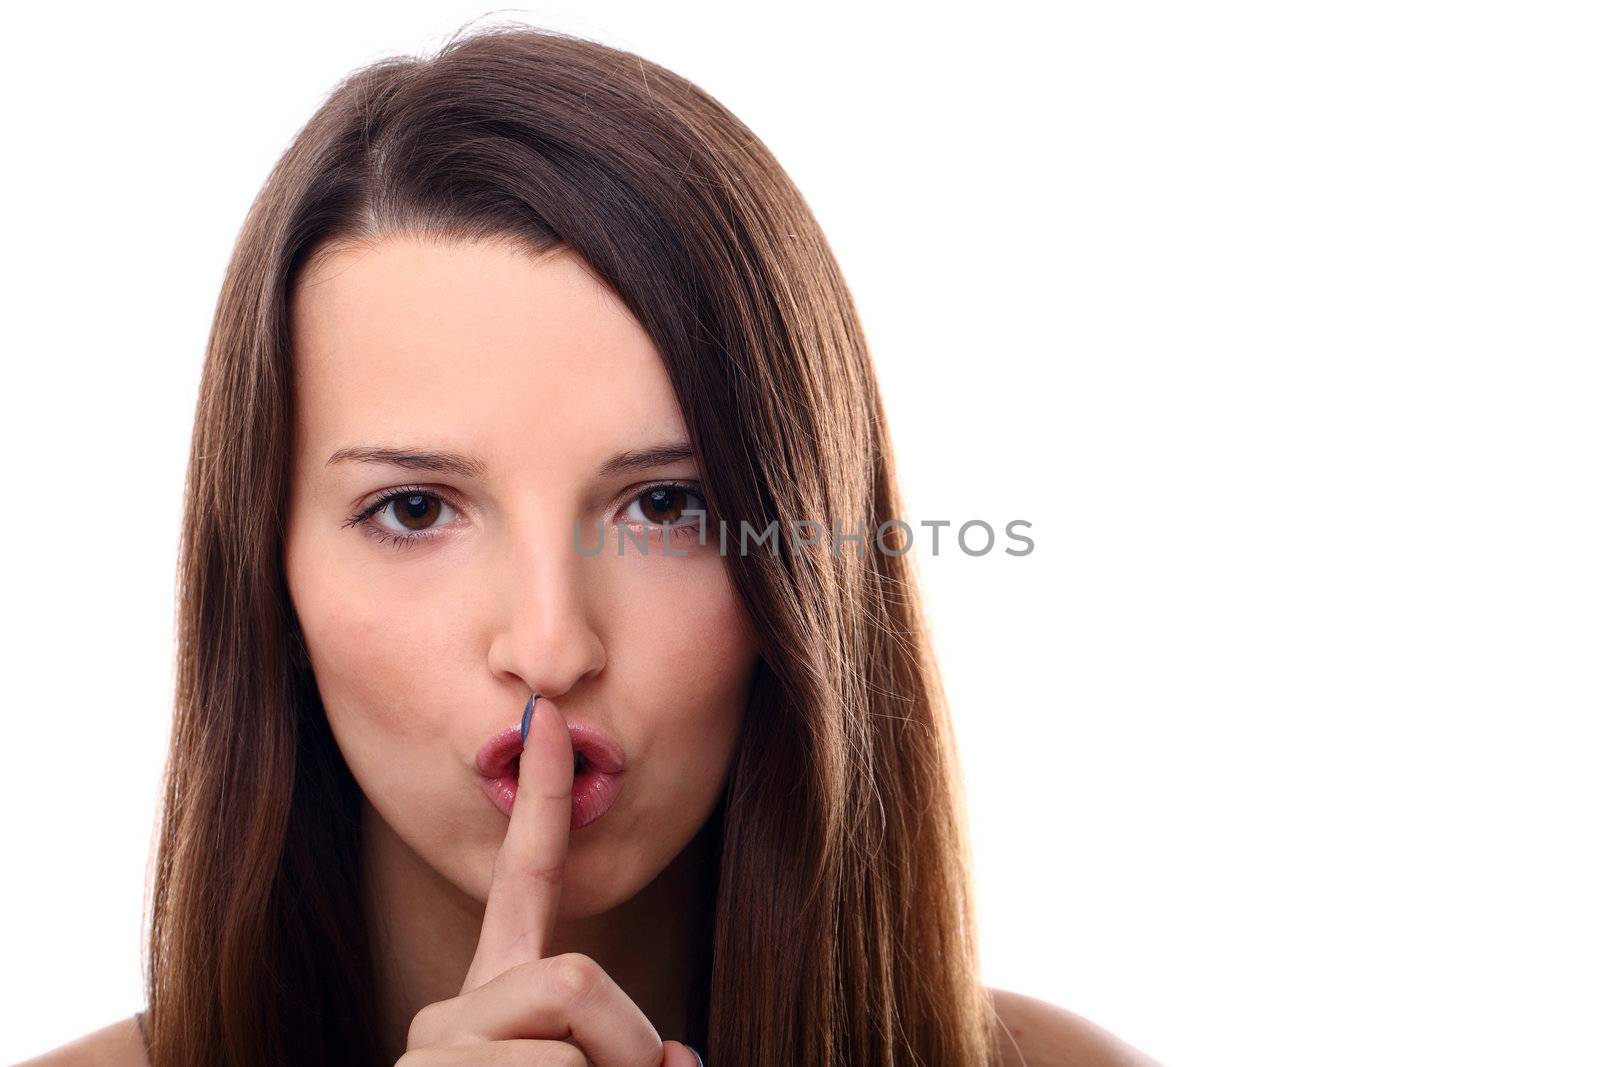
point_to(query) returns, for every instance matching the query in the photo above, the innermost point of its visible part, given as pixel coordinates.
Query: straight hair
(841, 929)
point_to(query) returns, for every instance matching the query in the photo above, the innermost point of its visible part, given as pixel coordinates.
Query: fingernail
(527, 718)
(697, 1058)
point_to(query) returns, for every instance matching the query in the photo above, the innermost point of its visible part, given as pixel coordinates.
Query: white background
(1277, 320)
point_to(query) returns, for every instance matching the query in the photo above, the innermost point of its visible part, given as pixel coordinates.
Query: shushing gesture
(519, 1004)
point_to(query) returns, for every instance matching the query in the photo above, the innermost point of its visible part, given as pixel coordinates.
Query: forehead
(472, 345)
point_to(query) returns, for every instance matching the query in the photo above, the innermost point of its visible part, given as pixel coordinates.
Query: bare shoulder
(117, 1045)
(1041, 1034)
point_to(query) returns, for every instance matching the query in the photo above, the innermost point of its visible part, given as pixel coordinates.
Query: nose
(544, 637)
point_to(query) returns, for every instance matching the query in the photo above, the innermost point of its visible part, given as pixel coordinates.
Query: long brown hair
(842, 930)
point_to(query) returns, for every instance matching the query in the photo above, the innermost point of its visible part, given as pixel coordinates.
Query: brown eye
(416, 511)
(666, 504)
(406, 515)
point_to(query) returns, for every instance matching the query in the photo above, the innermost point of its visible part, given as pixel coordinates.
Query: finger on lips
(519, 916)
(514, 988)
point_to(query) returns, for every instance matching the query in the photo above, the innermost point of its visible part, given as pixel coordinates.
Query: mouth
(580, 763)
(591, 747)
(597, 766)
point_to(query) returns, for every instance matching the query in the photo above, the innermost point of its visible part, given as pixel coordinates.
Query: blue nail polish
(527, 718)
(698, 1060)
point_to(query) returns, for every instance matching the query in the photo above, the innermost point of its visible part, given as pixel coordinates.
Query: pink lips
(594, 787)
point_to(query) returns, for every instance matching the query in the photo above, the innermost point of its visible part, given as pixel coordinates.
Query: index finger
(519, 917)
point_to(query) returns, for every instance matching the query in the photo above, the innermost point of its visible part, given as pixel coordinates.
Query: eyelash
(382, 536)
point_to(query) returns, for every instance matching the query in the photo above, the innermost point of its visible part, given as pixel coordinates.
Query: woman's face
(431, 619)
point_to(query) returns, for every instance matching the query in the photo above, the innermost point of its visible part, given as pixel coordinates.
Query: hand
(519, 1005)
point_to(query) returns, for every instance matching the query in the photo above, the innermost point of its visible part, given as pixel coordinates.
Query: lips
(598, 764)
(594, 745)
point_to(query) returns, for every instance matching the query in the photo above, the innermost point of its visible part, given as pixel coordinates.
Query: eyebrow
(642, 458)
(467, 466)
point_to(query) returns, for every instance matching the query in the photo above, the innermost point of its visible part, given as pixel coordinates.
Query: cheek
(692, 651)
(370, 648)
(375, 656)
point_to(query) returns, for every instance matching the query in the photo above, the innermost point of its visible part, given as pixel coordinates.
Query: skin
(520, 932)
(422, 650)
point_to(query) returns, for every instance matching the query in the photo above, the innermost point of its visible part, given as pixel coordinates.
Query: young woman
(515, 342)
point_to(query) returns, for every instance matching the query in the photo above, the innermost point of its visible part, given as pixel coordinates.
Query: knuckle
(427, 1026)
(566, 1055)
(543, 875)
(573, 977)
(528, 868)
